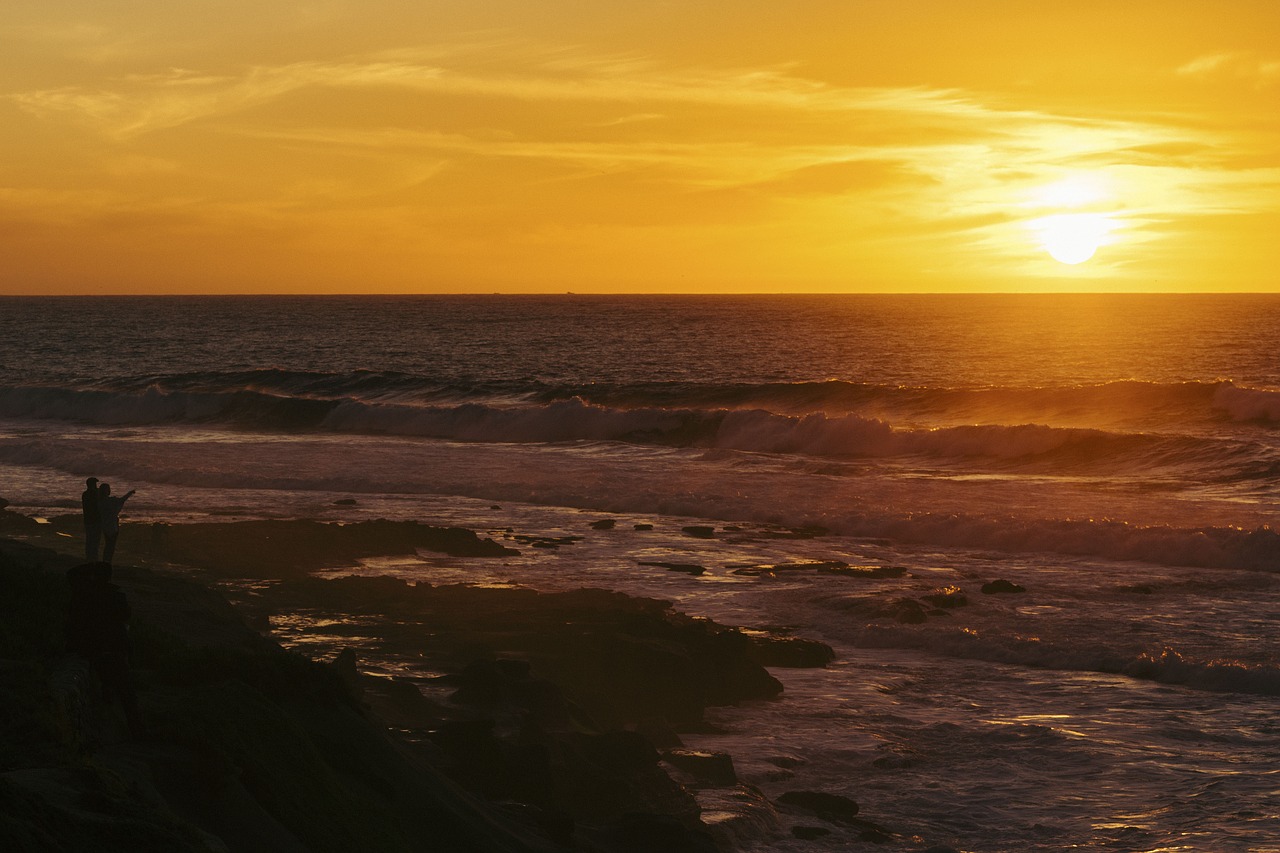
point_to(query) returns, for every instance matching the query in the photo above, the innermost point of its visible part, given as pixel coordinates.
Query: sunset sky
(389, 146)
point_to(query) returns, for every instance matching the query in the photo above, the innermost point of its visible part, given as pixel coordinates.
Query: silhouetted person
(92, 519)
(109, 516)
(98, 630)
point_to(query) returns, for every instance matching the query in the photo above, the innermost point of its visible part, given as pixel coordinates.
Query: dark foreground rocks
(279, 549)
(622, 660)
(1002, 587)
(552, 700)
(246, 747)
(833, 808)
(543, 734)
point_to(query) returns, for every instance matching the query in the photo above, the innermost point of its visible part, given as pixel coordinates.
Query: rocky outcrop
(794, 652)
(710, 769)
(1001, 587)
(947, 598)
(833, 807)
(686, 568)
(622, 659)
(248, 747)
(293, 548)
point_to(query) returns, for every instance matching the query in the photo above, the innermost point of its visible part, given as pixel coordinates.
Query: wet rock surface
(622, 659)
(278, 549)
(1001, 587)
(246, 747)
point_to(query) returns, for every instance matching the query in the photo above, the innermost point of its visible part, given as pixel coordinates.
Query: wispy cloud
(138, 104)
(1238, 65)
(903, 163)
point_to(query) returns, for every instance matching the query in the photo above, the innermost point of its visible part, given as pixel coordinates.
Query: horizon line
(388, 294)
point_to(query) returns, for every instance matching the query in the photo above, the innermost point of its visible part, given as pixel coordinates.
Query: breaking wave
(1168, 666)
(1177, 403)
(375, 404)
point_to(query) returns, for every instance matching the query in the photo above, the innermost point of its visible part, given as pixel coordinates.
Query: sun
(1072, 226)
(1072, 238)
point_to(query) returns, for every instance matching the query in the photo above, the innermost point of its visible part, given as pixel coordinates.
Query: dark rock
(947, 597)
(714, 769)
(888, 571)
(546, 541)
(752, 571)
(832, 807)
(477, 759)
(494, 506)
(700, 531)
(516, 670)
(506, 682)
(687, 568)
(17, 522)
(399, 703)
(790, 652)
(604, 524)
(839, 567)
(659, 733)
(816, 565)
(276, 548)
(809, 833)
(873, 834)
(1001, 587)
(869, 572)
(345, 502)
(623, 750)
(643, 526)
(809, 532)
(650, 833)
(620, 659)
(786, 761)
(556, 825)
(3, 503)
(905, 610)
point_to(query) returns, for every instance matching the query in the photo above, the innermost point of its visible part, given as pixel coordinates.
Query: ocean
(1117, 456)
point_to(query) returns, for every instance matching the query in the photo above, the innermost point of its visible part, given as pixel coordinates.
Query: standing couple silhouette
(101, 519)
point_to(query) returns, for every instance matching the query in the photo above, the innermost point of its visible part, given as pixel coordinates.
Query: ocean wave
(1202, 547)
(151, 405)
(1168, 666)
(1027, 447)
(1247, 404)
(1088, 404)
(1104, 403)
(362, 385)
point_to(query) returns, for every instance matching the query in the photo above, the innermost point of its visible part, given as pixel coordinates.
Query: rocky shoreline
(496, 719)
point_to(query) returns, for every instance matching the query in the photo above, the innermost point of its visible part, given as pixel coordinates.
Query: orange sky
(704, 146)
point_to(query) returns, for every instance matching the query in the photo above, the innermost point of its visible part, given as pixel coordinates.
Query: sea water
(1118, 456)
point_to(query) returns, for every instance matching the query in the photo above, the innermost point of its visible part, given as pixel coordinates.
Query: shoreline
(570, 704)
